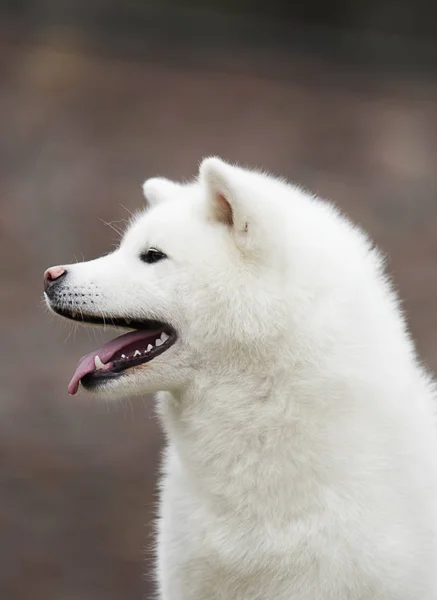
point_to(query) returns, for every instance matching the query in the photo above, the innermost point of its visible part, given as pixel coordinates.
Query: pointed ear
(158, 189)
(219, 180)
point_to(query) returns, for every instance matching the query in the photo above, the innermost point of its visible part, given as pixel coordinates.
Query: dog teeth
(73, 314)
(149, 347)
(164, 336)
(159, 342)
(98, 363)
(137, 353)
(123, 356)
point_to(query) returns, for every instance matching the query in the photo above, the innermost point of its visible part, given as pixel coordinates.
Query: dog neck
(242, 439)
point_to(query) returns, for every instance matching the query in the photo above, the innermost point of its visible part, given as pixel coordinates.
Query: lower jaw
(92, 381)
(118, 370)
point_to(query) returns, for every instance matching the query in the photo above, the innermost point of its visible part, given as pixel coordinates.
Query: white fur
(302, 443)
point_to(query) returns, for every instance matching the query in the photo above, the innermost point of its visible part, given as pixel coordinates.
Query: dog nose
(52, 275)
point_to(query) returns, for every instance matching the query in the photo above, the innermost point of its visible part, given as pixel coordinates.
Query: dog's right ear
(218, 179)
(157, 190)
(235, 197)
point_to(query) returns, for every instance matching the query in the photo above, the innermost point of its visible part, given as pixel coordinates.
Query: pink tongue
(86, 363)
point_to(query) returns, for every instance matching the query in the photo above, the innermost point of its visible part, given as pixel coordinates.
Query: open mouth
(148, 340)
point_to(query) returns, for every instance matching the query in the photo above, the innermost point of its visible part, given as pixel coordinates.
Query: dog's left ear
(225, 203)
(158, 189)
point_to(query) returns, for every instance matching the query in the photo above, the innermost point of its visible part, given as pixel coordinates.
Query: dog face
(196, 280)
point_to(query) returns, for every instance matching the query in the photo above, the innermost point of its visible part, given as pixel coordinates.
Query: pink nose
(52, 275)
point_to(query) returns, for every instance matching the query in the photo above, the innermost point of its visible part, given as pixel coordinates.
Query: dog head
(212, 276)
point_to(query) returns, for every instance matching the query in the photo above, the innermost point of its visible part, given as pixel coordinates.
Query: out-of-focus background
(97, 95)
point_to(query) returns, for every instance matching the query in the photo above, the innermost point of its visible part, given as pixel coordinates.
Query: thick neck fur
(241, 437)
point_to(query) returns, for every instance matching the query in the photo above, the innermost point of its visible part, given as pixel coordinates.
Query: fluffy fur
(302, 445)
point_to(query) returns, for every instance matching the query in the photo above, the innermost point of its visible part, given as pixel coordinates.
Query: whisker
(110, 224)
(127, 210)
(69, 334)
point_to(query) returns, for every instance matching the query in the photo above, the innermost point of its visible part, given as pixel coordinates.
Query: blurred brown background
(95, 97)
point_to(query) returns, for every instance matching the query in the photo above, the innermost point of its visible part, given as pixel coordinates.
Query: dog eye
(152, 256)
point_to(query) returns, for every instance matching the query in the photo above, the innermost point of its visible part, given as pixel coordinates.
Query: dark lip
(121, 322)
(92, 381)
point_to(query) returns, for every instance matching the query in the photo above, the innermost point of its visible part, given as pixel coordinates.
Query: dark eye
(152, 256)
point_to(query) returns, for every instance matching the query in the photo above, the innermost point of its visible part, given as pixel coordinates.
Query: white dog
(302, 441)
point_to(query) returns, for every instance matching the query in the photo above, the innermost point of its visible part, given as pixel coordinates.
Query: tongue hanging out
(128, 350)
